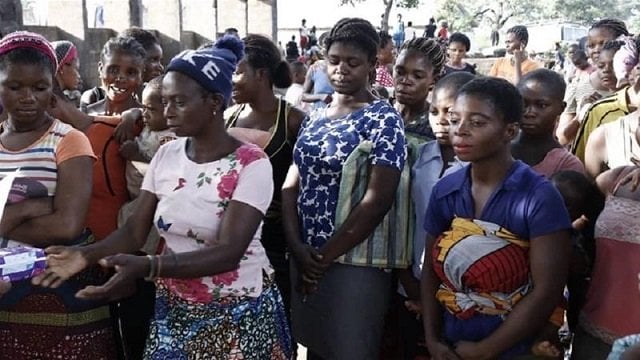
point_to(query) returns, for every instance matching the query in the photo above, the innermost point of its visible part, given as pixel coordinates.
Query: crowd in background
(361, 193)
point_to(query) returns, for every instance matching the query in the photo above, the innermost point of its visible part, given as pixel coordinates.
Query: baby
(155, 133)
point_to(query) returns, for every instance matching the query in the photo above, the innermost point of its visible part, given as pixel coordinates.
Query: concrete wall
(178, 24)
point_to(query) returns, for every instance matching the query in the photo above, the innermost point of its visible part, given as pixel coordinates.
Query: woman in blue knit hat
(206, 193)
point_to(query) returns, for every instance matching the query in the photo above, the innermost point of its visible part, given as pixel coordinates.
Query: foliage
(463, 15)
(588, 11)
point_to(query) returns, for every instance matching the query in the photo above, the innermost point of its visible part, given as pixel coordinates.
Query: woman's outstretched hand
(63, 262)
(127, 269)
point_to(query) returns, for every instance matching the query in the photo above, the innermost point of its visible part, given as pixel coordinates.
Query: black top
(280, 152)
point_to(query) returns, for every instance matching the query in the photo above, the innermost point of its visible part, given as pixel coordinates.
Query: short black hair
(521, 33)
(430, 49)
(453, 81)
(155, 83)
(357, 32)
(297, 66)
(144, 37)
(261, 53)
(579, 55)
(500, 93)
(27, 56)
(551, 80)
(460, 38)
(122, 44)
(385, 39)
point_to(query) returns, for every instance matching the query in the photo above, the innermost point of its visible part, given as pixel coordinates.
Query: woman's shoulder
(248, 153)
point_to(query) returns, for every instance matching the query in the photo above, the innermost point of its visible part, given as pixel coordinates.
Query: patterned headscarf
(65, 52)
(626, 58)
(26, 39)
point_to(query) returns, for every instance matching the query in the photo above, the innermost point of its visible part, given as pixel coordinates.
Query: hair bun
(233, 44)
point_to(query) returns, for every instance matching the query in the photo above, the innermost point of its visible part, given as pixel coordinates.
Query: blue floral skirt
(231, 328)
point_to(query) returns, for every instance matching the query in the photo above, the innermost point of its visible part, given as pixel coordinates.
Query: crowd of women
(412, 210)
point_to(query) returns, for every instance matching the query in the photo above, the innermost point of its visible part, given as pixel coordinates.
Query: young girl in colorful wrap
(47, 206)
(206, 193)
(497, 236)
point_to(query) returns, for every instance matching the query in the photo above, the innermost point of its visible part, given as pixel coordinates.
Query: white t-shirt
(192, 199)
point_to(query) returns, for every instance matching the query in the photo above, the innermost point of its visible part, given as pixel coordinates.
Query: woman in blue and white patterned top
(326, 292)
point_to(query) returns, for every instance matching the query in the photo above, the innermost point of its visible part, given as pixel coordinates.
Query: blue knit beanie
(212, 66)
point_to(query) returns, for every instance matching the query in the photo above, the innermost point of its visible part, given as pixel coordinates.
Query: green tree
(463, 15)
(588, 11)
(388, 5)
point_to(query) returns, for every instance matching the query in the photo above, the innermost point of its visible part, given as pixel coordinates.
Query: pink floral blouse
(192, 199)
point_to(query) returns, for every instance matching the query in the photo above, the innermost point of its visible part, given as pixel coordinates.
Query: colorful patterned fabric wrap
(43, 323)
(484, 268)
(229, 328)
(390, 245)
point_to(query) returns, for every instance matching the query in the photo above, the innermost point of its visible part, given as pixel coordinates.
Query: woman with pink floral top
(206, 193)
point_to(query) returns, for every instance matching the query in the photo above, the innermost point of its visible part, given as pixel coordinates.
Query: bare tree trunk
(388, 4)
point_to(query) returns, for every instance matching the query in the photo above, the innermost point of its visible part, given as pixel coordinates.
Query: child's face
(121, 75)
(580, 62)
(69, 75)
(153, 63)
(441, 102)
(385, 54)
(605, 69)
(542, 107)
(412, 78)
(457, 52)
(478, 131)
(595, 41)
(153, 110)
(26, 93)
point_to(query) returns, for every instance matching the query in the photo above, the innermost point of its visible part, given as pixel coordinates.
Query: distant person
(67, 76)
(495, 37)
(515, 63)
(459, 45)
(569, 66)
(398, 33)
(430, 30)
(443, 33)
(291, 50)
(295, 91)
(304, 35)
(384, 60)
(559, 56)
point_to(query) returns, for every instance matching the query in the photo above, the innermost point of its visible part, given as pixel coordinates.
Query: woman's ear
(216, 103)
(100, 66)
(512, 131)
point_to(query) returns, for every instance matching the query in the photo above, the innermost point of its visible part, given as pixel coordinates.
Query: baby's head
(581, 195)
(153, 110)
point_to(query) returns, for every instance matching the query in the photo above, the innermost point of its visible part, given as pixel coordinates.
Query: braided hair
(430, 49)
(261, 53)
(357, 32)
(615, 26)
(612, 45)
(521, 33)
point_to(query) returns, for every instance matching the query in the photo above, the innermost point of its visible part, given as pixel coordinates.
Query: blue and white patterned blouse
(322, 147)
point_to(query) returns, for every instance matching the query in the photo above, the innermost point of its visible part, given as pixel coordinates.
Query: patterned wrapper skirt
(229, 328)
(41, 323)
